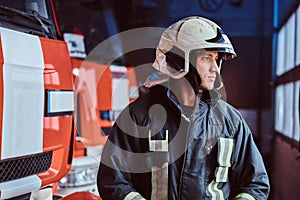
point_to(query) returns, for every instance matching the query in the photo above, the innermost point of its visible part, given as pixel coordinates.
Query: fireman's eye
(207, 59)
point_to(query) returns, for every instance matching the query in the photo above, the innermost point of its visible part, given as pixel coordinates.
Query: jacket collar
(209, 97)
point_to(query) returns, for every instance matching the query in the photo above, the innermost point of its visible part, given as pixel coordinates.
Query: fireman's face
(207, 68)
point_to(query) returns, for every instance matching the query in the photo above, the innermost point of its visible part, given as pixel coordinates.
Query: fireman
(180, 140)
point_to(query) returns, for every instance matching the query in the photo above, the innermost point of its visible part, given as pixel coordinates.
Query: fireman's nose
(214, 66)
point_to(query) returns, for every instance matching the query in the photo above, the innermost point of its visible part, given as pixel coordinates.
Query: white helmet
(188, 34)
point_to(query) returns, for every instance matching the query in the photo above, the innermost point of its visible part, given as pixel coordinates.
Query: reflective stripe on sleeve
(245, 196)
(216, 193)
(222, 174)
(225, 151)
(225, 148)
(134, 196)
(224, 158)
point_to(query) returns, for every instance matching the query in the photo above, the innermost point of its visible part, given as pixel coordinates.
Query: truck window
(28, 16)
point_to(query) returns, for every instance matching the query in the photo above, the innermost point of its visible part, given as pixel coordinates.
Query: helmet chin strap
(193, 78)
(218, 82)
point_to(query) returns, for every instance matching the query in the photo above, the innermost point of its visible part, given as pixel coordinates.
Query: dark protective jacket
(156, 152)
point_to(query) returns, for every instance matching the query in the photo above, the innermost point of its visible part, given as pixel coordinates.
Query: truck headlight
(84, 172)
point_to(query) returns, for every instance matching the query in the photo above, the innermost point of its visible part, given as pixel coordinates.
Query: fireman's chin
(208, 85)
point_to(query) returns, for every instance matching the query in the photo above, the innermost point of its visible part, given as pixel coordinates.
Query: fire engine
(102, 92)
(38, 86)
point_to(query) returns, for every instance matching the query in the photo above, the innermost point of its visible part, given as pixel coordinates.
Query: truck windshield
(28, 16)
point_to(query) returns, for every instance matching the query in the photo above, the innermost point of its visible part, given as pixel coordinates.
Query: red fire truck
(38, 130)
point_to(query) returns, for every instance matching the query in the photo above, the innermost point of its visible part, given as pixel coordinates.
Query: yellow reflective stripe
(225, 151)
(133, 196)
(160, 182)
(158, 145)
(216, 193)
(165, 181)
(222, 174)
(210, 190)
(154, 183)
(244, 195)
